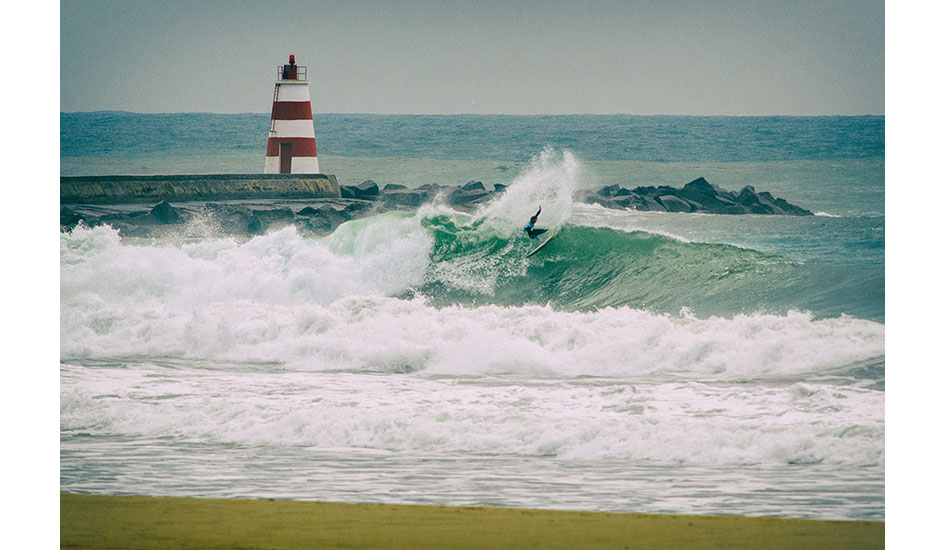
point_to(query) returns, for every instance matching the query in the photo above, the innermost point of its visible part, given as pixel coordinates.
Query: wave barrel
(291, 143)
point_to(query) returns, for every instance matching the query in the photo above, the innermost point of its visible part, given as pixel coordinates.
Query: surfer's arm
(534, 219)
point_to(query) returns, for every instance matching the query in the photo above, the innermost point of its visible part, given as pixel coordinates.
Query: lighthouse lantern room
(291, 145)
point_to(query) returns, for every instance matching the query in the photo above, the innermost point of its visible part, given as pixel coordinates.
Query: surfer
(529, 227)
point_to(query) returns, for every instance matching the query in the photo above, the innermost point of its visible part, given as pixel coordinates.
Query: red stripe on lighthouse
(292, 110)
(301, 147)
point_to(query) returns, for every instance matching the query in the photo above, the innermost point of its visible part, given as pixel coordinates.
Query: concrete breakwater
(74, 190)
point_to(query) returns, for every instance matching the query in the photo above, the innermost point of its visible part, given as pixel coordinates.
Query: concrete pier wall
(194, 187)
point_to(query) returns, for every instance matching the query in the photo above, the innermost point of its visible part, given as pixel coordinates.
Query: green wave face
(585, 268)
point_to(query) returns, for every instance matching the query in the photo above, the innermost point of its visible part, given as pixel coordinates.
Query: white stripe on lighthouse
(293, 91)
(298, 165)
(304, 165)
(293, 128)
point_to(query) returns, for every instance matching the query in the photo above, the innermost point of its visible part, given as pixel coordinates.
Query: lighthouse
(291, 147)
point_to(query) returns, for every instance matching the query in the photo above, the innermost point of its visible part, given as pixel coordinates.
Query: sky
(738, 57)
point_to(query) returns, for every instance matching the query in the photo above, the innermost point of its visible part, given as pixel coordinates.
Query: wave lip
(586, 268)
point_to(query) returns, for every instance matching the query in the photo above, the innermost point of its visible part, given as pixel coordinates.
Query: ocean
(641, 362)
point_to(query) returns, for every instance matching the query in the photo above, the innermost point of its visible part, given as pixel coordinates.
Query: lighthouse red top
(290, 70)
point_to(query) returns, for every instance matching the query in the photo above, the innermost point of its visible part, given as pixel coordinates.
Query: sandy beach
(129, 522)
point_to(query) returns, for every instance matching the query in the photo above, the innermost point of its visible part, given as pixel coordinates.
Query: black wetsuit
(529, 227)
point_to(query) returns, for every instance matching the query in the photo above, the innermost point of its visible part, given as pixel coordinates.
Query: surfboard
(540, 246)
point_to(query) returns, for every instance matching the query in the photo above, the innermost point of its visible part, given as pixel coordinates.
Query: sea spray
(548, 181)
(473, 253)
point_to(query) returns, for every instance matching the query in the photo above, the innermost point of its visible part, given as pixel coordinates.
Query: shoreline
(100, 521)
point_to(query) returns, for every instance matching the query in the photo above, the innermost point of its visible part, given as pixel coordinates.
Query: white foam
(323, 305)
(548, 181)
(421, 379)
(195, 299)
(689, 423)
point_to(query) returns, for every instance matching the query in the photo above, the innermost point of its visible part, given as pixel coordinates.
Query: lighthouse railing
(301, 73)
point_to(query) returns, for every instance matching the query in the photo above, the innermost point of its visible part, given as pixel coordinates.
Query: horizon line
(484, 114)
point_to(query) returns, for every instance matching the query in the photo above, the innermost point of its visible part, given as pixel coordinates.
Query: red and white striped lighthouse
(291, 147)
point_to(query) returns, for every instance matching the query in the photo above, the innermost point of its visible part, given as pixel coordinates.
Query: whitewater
(641, 362)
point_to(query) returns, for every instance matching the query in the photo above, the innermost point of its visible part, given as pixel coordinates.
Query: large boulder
(699, 190)
(231, 218)
(627, 200)
(596, 197)
(791, 209)
(368, 190)
(736, 209)
(711, 198)
(608, 190)
(468, 198)
(322, 219)
(474, 186)
(748, 197)
(355, 208)
(673, 203)
(759, 203)
(768, 202)
(401, 197)
(265, 218)
(650, 204)
(405, 198)
(646, 190)
(307, 211)
(165, 213)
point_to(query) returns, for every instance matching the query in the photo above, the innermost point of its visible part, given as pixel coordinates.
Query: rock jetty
(696, 196)
(320, 215)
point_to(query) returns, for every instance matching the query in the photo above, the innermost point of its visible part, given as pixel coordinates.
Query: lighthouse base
(295, 165)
